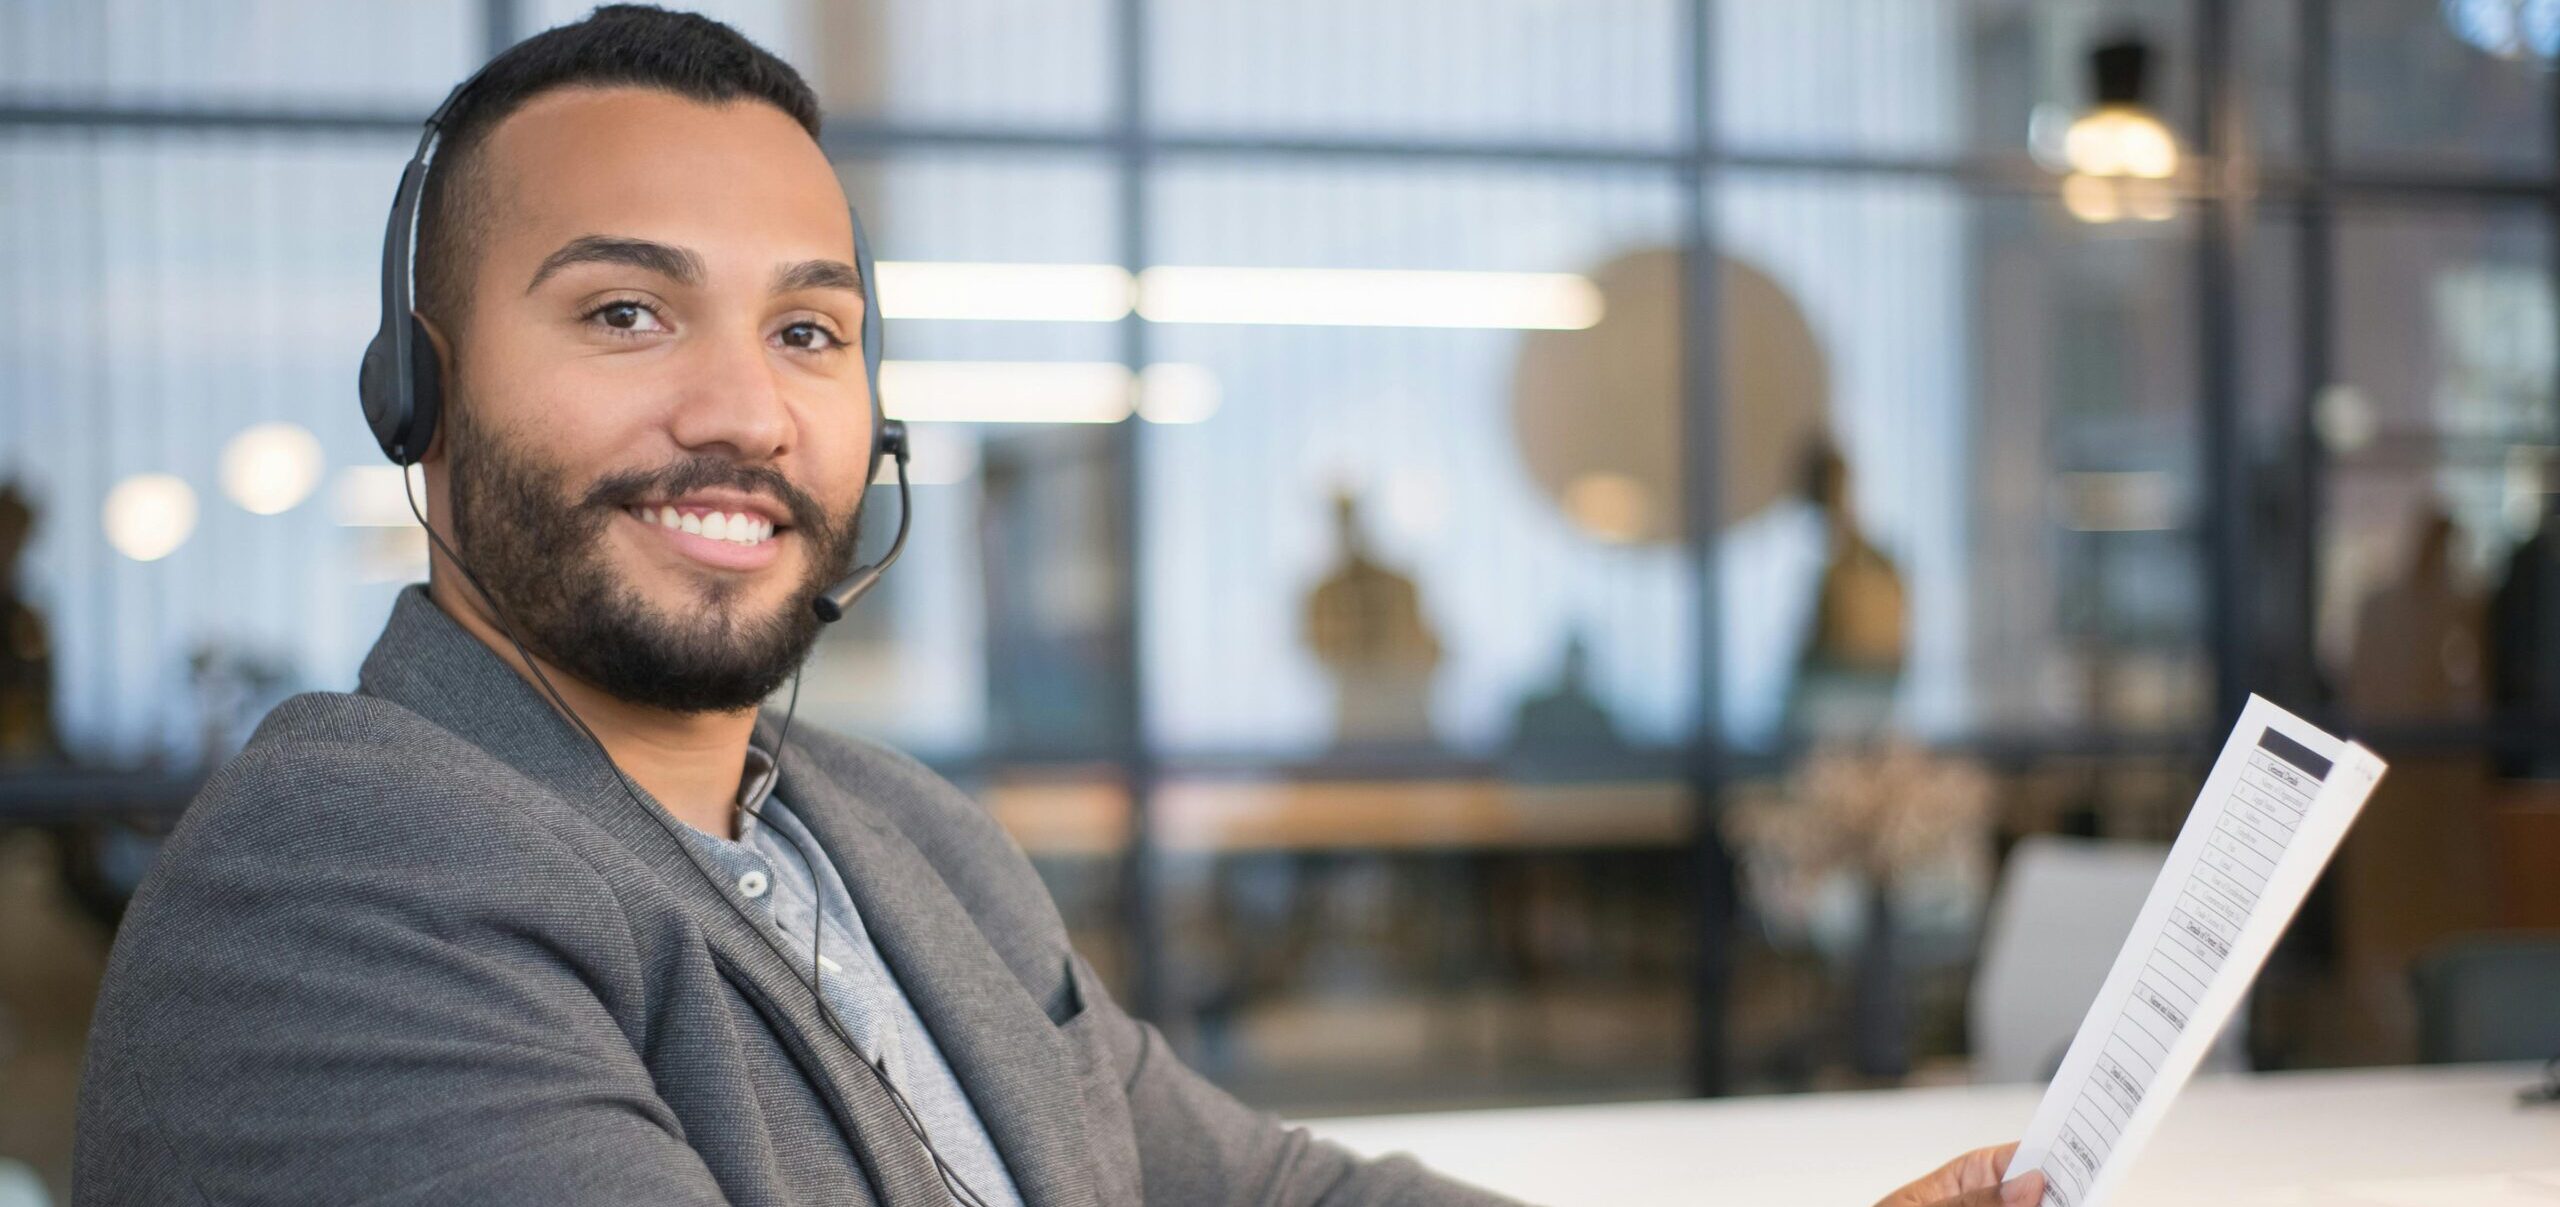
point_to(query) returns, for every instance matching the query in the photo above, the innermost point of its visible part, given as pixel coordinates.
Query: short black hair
(617, 45)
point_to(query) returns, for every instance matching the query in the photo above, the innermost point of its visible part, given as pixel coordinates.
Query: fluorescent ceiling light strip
(1331, 297)
(962, 391)
(959, 391)
(1362, 297)
(1046, 293)
(1171, 392)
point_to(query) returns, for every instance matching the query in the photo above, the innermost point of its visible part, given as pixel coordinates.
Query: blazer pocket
(1066, 1003)
(1104, 1076)
(1079, 1018)
(1083, 989)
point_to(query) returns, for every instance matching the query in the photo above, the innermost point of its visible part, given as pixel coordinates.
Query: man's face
(660, 424)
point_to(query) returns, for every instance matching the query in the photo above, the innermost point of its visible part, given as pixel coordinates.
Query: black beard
(539, 557)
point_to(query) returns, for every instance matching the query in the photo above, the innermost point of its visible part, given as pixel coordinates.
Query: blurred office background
(1492, 551)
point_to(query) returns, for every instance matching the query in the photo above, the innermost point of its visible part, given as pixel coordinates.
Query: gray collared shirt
(765, 866)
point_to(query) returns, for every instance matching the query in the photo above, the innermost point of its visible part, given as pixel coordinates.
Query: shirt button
(752, 884)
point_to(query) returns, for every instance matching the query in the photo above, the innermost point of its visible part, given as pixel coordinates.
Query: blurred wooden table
(1235, 817)
(2442, 1137)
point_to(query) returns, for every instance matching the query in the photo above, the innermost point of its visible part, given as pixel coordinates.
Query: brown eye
(626, 317)
(809, 337)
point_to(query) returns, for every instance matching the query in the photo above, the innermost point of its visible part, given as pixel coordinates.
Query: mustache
(622, 488)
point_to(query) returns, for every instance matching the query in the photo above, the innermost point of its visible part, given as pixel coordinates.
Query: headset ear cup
(426, 390)
(379, 393)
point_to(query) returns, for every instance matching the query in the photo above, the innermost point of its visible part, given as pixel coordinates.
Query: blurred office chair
(2489, 997)
(2063, 908)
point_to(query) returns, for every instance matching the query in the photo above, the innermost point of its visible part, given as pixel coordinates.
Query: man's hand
(1972, 1180)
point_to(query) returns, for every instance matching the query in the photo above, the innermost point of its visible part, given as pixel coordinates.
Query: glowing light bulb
(147, 516)
(2121, 140)
(271, 468)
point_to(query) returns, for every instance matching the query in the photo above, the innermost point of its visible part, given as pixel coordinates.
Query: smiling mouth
(736, 527)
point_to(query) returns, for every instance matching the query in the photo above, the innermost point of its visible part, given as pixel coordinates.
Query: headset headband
(401, 383)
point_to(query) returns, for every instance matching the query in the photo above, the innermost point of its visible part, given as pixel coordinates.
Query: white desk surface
(2441, 1137)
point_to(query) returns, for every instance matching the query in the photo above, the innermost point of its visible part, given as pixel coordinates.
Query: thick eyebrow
(819, 274)
(684, 266)
(679, 264)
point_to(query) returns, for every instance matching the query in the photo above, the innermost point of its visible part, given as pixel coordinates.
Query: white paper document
(2272, 810)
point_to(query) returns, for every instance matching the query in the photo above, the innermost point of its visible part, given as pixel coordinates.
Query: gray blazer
(415, 945)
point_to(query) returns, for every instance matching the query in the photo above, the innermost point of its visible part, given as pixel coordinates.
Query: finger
(1965, 1181)
(2017, 1192)
(1979, 1169)
(2026, 1190)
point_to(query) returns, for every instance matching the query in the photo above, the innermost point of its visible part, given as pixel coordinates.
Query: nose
(731, 402)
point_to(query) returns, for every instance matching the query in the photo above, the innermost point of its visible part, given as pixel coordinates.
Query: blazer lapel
(430, 665)
(1019, 1072)
(900, 1169)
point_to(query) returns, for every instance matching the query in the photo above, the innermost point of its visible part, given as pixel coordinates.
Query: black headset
(403, 390)
(402, 384)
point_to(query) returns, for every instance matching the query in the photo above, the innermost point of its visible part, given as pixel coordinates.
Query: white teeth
(737, 528)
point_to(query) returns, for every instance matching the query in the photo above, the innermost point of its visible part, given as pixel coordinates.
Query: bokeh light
(271, 468)
(147, 516)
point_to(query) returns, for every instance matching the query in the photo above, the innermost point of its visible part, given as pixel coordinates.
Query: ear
(443, 347)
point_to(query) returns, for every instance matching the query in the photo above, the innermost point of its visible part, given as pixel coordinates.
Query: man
(424, 943)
